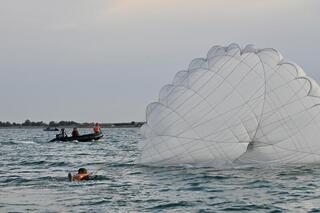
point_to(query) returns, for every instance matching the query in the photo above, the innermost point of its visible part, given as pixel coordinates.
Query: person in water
(83, 174)
(75, 132)
(97, 129)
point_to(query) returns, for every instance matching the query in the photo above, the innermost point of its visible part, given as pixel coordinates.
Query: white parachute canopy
(236, 105)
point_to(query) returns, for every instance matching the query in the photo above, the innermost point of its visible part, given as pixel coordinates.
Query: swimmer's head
(82, 171)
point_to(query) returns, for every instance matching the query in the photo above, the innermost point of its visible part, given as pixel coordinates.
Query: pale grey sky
(105, 60)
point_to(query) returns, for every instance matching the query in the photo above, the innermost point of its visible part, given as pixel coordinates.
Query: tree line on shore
(28, 123)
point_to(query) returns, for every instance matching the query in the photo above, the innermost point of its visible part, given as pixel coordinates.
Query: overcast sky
(105, 60)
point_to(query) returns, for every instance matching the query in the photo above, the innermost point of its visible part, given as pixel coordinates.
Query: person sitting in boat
(75, 132)
(83, 174)
(97, 129)
(62, 134)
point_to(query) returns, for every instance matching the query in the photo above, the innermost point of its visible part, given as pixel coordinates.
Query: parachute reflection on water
(236, 105)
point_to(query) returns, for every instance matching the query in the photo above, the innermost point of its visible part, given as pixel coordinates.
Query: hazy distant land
(41, 124)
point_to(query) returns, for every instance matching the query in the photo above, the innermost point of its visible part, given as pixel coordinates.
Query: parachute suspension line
(251, 143)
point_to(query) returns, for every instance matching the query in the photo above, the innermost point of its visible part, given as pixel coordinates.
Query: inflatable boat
(80, 138)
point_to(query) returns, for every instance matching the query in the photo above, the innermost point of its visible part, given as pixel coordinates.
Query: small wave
(258, 184)
(247, 207)
(30, 162)
(314, 210)
(17, 142)
(94, 202)
(193, 188)
(171, 205)
(25, 142)
(120, 164)
(209, 165)
(58, 164)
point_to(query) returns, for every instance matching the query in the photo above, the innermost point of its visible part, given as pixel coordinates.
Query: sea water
(33, 178)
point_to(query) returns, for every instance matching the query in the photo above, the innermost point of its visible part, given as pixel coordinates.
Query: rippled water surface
(33, 177)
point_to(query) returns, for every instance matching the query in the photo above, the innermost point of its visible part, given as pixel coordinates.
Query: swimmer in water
(83, 174)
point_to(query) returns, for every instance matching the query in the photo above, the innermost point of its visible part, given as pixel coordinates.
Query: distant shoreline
(68, 124)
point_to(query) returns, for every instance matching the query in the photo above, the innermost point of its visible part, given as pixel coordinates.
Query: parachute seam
(264, 100)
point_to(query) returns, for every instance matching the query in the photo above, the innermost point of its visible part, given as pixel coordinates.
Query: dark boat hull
(81, 138)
